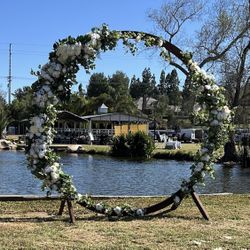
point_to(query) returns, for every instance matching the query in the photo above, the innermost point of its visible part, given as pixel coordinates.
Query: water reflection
(110, 176)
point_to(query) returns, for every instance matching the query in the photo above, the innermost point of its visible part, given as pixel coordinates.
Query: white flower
(224, 113)
(189, 62)
(200, 89)
(177, 200)
(160, 42)
(185, 189)
(138, 38)
(139, 212)
(199, 166)
(214, 123)
(66, 51)
(79, 197)
(48, 169)
(95, 39)
(204, 73)
(210, 77)
(197, 107)
(204, 150)
(205, 158)
(215, 87)
(203, 174)
(33, 129)
(208, 87)
(54, 176)
(214, 112)
(41, 154)
(88, 51)
(226, 110)
(195, 67)
(117, 210)
(99, 207)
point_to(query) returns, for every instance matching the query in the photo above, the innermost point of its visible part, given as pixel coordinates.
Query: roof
(120, 117)
(103, 106)
(66, 115)
(149, 103)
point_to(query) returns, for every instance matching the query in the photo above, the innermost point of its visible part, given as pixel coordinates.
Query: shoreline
(186, 153)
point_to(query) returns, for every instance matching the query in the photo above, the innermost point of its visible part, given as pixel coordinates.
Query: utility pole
(9, 77)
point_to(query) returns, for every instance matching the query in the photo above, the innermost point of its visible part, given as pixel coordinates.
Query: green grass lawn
(33, 225)
(186, 152)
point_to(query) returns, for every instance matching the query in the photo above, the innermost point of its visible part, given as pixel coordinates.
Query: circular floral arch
(55, 80)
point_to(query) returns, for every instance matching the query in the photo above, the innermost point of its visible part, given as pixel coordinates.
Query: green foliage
(20, 108)
(162, 86)
(145, 88)
(75, 104)
(120, 146)
(135, 145)
(4, 119)
(188, 97)
(172, 88)
(119, 83)
(135, 87)
(4, 114)
(141, 145)
(98, 84)
(120, 100)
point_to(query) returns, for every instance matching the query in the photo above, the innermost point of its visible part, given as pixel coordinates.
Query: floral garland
(55, 80)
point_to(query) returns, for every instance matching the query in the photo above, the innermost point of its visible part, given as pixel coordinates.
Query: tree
(173, 92)
(162, 86)
(21, 105)
(98, 84)
(145, 88)
(170, 21)
(76, 103)
(119, 82)
(135, 87)
(236, 79)
(225, 26)
(4, 117)
(188, 97)
(161, 109)
(119, 92)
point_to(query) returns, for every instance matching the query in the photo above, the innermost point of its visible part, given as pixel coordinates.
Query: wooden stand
(198, 203)
(70, 209)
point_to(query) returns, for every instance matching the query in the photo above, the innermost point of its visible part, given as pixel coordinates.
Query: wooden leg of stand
(200, 206)
(71, 212)
(61, 207)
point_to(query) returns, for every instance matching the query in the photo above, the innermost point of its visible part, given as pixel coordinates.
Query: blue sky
(33, 26)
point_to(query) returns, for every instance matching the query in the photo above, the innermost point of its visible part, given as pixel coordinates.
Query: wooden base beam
(198, 203)
(70, 210)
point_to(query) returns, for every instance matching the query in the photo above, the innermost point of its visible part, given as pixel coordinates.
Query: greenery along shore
(32, 225)
(186, 152)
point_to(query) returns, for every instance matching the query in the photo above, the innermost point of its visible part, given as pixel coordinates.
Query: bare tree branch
(230, 45)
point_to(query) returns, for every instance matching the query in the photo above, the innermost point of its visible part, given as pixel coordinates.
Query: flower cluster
(59, 74)
(68, 52)
(44, 97)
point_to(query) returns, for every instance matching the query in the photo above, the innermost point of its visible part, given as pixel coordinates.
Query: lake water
(101, 175)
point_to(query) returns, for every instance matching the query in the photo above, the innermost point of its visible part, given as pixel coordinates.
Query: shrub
(120, 146)
(138, 144)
